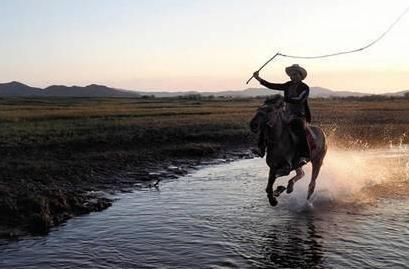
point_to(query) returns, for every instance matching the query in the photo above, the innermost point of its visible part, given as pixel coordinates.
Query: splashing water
(356, 177)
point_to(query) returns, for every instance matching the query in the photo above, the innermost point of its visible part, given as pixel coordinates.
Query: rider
(296, 97)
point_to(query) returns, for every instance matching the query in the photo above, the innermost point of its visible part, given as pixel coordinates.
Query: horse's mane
(273, 99)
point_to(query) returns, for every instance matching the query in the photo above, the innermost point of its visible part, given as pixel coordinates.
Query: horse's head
(268, 114)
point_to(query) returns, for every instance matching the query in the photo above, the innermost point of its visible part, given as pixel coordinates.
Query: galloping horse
(272, 120)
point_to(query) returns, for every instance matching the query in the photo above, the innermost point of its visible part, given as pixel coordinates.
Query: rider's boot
(302, 147)
(304, 153)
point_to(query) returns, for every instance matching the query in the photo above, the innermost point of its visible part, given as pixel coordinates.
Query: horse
(273, 123)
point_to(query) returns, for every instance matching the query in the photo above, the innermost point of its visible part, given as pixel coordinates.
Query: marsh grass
(69, 145)
(116, 121)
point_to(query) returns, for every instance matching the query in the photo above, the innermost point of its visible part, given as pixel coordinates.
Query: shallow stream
(219, 217)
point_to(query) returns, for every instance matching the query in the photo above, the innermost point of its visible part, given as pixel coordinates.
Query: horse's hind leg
(271, 180)
(316, 166)
(299, 174)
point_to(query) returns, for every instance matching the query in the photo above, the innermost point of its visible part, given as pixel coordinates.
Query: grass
(91, 122)
(47, 134)
(69, 145)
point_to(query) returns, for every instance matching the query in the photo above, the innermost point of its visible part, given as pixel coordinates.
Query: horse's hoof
(272, 200)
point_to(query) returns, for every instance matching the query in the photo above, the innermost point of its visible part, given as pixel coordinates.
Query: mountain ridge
(18, 89)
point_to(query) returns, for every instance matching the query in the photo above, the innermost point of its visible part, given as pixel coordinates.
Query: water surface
(219, 217)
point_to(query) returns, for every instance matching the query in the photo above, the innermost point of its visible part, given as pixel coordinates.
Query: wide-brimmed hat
(296, 67)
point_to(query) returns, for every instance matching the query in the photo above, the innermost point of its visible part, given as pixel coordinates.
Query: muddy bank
(33, 201)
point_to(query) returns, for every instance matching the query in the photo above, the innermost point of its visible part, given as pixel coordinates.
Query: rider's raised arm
(273, 86)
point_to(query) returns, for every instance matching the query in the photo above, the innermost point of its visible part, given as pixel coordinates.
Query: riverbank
(58, 154)
(36, 202)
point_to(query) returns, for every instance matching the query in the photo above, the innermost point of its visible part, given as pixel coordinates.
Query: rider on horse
(296, 97)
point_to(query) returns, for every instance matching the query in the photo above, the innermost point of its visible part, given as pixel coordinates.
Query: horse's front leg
(299, 173)
(271, 180)
(269, 188)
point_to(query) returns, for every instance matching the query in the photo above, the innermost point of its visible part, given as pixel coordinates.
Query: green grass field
(57, 133)
(88, 123)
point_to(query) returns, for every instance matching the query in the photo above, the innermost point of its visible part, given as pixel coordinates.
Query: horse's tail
(318, 140)
(317, 156)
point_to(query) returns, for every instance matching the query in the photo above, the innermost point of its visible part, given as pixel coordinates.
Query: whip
(335, 53)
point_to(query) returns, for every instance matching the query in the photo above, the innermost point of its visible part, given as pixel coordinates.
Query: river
(219, 217)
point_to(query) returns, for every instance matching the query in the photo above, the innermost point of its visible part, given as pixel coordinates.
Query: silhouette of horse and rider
(282, 124)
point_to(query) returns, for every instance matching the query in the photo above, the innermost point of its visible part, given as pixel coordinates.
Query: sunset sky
(207, 45)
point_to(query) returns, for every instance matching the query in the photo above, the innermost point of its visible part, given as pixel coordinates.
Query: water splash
(355, 178)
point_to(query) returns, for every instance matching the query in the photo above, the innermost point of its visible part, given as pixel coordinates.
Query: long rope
(335, 53)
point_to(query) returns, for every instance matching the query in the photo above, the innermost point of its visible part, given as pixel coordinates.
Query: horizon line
(191, 90)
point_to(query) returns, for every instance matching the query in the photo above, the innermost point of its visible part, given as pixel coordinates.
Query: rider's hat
(296, 67)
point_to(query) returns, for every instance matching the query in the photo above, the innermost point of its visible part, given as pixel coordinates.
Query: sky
(205, 45)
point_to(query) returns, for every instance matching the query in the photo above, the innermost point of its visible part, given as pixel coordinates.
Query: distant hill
(15, 88)
(19, 89)
(253, 92)
(92, 90)
(401, 93)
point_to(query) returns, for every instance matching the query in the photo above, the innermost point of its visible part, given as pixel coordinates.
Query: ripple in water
(219, 217)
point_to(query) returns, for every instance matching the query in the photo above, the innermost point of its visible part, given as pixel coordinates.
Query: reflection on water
(219, 217)
(298, 246)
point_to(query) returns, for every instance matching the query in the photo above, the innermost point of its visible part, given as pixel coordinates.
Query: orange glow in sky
(202, 45)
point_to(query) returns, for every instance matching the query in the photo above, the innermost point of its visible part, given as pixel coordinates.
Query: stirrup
(302, 161)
